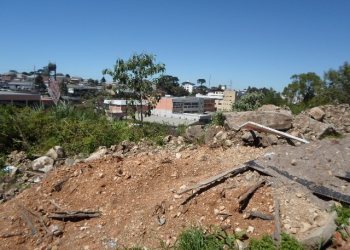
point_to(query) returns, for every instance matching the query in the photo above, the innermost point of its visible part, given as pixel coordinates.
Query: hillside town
(46, 88)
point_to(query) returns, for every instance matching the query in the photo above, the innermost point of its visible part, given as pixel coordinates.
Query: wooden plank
(245, 197)
(224, 175)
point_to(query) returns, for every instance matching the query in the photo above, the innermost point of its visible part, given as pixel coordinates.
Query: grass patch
(266, 243)
(343, 215)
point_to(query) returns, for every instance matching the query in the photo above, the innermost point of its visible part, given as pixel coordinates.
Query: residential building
(118, 109)
(8, 76)
(169, 104)
(188, 86)
(20, 85)
(228, 100)
(24, 99)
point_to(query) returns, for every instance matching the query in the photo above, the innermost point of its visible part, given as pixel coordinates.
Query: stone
(43, 163)
(195, 132)
(99, 153)
(167, 139)
(69, 162)
(268, 140)
(210, 134)
(178, 155)
(310, 127)
(55, 230)
(250, 229)
(320, 235)
(272, 119)
(317, 113)
(228, 143)
(221, 136)
(55, 153)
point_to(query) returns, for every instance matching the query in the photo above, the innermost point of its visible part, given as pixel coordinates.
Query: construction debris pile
(142, 194)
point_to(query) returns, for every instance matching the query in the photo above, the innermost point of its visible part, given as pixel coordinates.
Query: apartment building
(229, 98)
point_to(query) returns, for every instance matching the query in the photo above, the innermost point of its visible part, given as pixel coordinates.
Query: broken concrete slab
(43, 164)
(272, 119)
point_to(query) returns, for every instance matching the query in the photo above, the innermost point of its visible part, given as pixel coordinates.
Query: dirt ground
(137, 200)
(137, 196)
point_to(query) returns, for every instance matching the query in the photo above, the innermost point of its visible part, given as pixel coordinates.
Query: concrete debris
(43, 163)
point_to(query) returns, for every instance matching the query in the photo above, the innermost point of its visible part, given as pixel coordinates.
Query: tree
(304, 87)
(201, 82)
(39, 83)
(137, 74)
(103, 80)
(249, 101)
(168, 84)
(338, 84)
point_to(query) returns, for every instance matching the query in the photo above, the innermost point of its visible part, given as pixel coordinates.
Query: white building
(188, 86)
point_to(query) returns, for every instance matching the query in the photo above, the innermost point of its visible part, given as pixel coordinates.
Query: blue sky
(246, 43)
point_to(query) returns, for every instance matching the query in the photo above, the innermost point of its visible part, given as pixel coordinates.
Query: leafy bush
(219, 119)
(265, 243)
(77, 130)
(343, 215)
(250, 101)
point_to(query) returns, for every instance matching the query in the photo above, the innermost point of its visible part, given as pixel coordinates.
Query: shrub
(219, 119)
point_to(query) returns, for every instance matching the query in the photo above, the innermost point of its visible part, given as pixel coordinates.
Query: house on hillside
(188, 86)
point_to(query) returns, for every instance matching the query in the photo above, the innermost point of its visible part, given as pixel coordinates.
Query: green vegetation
(170, 85)
(197, 239)
(266, 243)
(309, 90)
(249, 101)
(219, 119)
(343, 215)
(77, 130)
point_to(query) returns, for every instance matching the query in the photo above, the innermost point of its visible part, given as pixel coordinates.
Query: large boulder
(317, 113)
(43, 164)
(312, 128)
(195, 132)
(56, 152)
(281, 120)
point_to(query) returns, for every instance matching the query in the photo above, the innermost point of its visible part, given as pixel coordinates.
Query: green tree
(136, 74)
(39, 83)
(249, 101)
(103, 80)
(304, 87)
(338, 84)
(201, 82)
(168, 84)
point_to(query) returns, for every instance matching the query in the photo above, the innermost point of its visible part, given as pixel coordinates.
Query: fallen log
(260, 215)
(245, 197)
(74, 215)
(217, 178)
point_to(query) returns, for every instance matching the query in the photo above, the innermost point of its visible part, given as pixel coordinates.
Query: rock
(272, 119)
(317, 113)
(69, 162)
(228, 143)
(310, 127)
(247, 137)
(55, 230)
(293, 162)
(167, 139)
(250, 229)
(178, 155)
(210, 133)
(43, 163)
(195, 132)
(317, 237)
(55, 152)
(274, 108)
(101, 151)
(180, 140)
(221, 136)
(268, 140)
